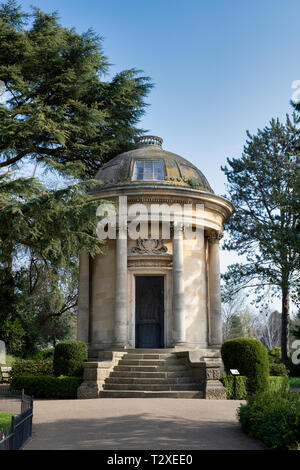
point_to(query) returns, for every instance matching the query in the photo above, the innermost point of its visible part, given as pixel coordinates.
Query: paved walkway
(142, 423)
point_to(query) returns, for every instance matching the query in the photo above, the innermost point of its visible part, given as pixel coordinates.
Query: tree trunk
(285, 324)
(7, 292)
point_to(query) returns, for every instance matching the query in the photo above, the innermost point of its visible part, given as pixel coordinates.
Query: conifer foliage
(263, 186)
(60, 109)
(62, 114)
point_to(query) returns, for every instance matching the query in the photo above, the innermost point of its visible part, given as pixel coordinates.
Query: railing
(21, 405)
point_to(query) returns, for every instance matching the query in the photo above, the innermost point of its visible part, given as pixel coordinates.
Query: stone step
(147, 380)
(153, 373)
(151, 351)
(150, 394)
(141, 374)
(152, 356)
(153, 387)
(147, 362)
(163, 368)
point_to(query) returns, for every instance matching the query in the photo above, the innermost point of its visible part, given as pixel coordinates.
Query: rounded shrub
(250, 357)
(69, 357)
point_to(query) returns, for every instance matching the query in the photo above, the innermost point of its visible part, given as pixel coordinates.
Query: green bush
(275, 355)
(277, 369)
(69, 357)
(44, 354)
(278, 383)
(31, 367)
(48, 353)
(275, 383)
(241, 386)
(273, 417)
(44, 386)
(276, 366)
(250, 357)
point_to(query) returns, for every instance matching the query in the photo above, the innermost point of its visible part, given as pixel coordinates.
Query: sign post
(234, 373)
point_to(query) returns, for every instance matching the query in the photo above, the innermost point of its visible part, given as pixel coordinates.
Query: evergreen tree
(60, 111)
(262, 185)
(41, 233)
(236, 327)
(62, 114)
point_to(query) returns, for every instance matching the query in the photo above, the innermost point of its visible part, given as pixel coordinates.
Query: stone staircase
(151, 373)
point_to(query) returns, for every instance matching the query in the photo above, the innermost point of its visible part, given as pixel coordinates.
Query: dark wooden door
(149, 312)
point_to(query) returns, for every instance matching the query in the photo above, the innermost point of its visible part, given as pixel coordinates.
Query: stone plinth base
(95, 373)
(205, 364)
(207, 367)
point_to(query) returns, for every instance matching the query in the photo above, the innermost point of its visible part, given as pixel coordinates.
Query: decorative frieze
(149, 247)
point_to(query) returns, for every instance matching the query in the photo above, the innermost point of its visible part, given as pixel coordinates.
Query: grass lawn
(294, 381)
(5, 420)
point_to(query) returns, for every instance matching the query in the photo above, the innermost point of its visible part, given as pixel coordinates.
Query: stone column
(121, 339)
(83, 320)
(178, 287)
(214, 279)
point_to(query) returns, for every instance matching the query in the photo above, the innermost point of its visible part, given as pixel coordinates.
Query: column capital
(215, 236)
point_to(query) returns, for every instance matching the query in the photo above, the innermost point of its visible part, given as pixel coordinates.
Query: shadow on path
(139, 431)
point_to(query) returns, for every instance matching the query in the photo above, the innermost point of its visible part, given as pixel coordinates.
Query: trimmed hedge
(273, 417)
(277, 383)
(250, 357)
(47, 386)
(241, 386)
(31, 367)
(69, 357)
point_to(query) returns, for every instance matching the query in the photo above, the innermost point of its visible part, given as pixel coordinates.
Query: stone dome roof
(150, 164)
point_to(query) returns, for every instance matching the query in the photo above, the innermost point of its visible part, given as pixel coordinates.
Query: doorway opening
(149, 311)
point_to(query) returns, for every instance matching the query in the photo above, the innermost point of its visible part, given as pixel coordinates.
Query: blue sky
(220, 67)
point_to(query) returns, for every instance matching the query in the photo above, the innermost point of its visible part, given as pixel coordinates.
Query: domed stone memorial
(150, 305)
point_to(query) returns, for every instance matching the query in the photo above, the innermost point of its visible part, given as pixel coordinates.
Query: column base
(119, 346)
(180, 345)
